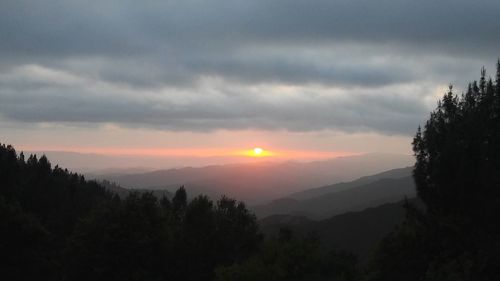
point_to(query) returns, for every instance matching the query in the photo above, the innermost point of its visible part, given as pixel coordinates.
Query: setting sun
(258, 151)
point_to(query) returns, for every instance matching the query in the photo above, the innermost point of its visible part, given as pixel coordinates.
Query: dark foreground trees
(142, 238)
(39, 208)
(457, 174)
(55, 225)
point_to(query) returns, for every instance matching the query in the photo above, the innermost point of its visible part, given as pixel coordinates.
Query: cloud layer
(352, 66)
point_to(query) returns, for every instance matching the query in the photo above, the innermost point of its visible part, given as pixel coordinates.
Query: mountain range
(262, 182)
(326, 201)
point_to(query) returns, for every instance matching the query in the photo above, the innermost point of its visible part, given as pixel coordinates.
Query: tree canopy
(55, 225)
(457, 174)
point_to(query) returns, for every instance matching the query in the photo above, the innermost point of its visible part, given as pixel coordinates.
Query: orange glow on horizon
(256, 152)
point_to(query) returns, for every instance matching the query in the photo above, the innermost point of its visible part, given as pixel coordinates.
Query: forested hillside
(55, 225)
(355, 232)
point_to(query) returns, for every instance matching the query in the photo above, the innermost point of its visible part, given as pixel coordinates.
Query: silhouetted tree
(213, 235)
(44, 204)
(120, 241)
(457, 174)
(237, 234)
(179, 202)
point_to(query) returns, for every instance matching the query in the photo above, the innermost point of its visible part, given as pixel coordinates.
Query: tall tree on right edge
(457, 174)
(457, 171)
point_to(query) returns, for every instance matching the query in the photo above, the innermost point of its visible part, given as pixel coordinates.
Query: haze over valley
(261, 181)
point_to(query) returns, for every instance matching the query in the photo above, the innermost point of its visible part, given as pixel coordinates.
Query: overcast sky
(296, 75)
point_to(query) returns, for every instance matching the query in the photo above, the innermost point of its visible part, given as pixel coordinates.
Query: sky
(205, 81)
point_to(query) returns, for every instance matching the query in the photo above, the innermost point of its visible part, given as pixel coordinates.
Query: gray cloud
(144, 63)
(214, 108)
(129, 27)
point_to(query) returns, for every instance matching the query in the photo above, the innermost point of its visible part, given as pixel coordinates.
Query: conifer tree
(457, 174)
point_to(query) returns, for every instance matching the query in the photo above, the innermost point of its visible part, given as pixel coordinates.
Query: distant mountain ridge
(264, 181)
(369, 191)
(314, 192)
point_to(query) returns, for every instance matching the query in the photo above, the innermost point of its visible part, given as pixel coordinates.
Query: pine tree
(457, 174)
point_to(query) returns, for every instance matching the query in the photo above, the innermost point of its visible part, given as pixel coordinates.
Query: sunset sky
(213, 79)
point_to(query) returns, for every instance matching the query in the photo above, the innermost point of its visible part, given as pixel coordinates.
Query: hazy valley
(261, 181)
